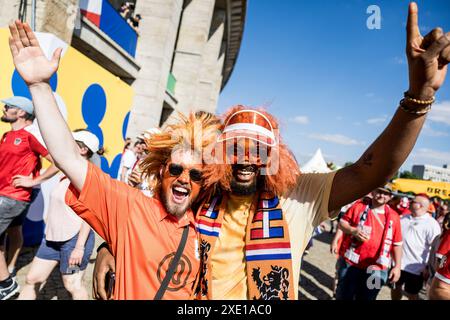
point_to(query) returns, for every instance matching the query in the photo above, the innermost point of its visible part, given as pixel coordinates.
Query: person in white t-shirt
(68, 241)
(129, 158)
(419, 231)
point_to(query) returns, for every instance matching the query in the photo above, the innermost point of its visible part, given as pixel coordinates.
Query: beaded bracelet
(416, 111)
(417, 101)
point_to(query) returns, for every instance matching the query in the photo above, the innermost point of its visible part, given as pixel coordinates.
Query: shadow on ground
(324, 237)
(54, 287)
(311, 287)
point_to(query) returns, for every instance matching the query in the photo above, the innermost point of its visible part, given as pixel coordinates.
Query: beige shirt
(62, 223)
(304, 209)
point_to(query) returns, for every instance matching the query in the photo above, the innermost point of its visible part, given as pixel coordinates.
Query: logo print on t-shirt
(181, 274)
(17, 141)
(442, 262)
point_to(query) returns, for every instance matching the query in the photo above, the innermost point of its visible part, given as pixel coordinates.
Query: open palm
(29, 59)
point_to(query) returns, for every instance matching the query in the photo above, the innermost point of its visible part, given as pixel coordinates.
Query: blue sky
(333, 83)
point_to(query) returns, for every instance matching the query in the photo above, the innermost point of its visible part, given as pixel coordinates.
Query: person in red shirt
(371, 233)
(402, 207)
(440, 287)
(20, 153)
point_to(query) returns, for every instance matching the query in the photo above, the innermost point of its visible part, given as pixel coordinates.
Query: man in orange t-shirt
(143, 233)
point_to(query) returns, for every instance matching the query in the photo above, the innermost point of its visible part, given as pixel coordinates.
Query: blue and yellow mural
(92, 97)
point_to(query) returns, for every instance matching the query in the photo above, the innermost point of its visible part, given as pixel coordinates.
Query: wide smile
(245, 173)
(180, 194)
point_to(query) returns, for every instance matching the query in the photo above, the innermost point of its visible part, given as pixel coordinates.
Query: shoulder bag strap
(173, 265)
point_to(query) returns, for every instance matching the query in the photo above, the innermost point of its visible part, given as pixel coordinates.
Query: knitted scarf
(267, 248)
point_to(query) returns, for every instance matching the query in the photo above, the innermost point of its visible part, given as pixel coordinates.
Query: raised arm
(427, 60)
(36, 70)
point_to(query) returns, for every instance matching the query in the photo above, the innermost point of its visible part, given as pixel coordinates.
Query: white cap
(89, 139)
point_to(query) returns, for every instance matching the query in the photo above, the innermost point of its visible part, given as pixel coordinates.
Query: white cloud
(301, 120)
(399, 60)
(428, 131)
(377, 120)
(335, 138)
(440, 112)
(424, 29)
(429, 156)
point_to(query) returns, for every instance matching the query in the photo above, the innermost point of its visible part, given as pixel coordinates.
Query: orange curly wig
(280, 156)
(196, 132)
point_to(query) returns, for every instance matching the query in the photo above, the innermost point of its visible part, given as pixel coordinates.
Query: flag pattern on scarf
(266, 214)
(209, 226)
(269, 251)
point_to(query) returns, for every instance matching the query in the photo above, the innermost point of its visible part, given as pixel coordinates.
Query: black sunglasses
(7, 107)
(176, 170)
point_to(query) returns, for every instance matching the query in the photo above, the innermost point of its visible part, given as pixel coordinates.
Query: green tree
(408, 175)
(348, 163)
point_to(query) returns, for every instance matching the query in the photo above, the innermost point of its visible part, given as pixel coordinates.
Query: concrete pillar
(9, 11)
(57, 17)
(210, 78)
(188, 61)
(157, 36)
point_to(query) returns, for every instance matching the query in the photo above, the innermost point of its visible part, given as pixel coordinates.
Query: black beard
(248, 188)
(7, 120)
(241, 189)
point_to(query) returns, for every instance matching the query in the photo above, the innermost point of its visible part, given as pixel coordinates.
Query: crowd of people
(383, 223)
(217, 207)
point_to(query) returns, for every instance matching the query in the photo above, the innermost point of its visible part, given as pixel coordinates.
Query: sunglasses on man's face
(176, 170)
(7, 107)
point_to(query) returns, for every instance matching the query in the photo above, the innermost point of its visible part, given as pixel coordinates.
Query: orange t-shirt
(142, 236)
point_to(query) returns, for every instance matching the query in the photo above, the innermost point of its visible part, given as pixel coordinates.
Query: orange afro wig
(196, 132)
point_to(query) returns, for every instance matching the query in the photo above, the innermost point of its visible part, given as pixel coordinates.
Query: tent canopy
(316, 164)
(432, 189)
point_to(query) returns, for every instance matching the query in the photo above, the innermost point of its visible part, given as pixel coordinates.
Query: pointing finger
(412, 27)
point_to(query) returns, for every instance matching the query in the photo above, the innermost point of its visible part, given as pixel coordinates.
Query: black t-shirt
(134, 22)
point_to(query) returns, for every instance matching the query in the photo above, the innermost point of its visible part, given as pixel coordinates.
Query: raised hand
(29, 59)
(427, 57)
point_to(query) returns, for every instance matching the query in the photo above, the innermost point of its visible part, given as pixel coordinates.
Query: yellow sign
(432, 189)
(90, 96)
